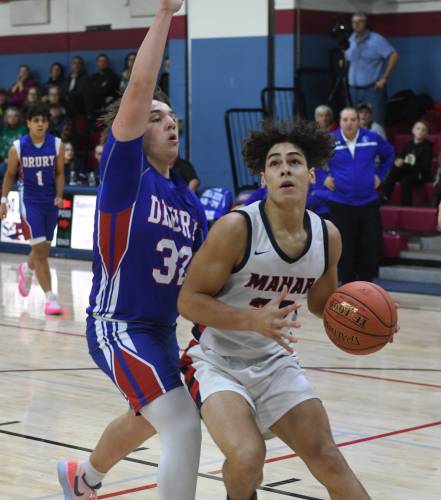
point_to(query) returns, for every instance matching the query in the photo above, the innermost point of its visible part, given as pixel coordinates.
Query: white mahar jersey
(261, 276)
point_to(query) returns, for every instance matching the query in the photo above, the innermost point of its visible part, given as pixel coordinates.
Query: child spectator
(32, 99)
(74, 171)
(19, 90)
(128, 64)
(413, 167)
(12, 130)
(54, 96)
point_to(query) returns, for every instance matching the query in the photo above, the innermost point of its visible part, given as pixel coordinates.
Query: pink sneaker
(24, 280)
(52, 307)
(72, 479)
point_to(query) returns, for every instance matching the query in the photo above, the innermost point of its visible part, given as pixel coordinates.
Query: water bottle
(91, 178)
(72, 178)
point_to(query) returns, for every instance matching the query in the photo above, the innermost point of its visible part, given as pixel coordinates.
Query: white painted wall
(227, 18)
(207, 18)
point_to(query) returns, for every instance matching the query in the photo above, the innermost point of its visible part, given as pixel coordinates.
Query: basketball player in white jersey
(243, 285)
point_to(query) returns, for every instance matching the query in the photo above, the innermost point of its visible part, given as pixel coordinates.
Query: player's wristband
(4, 199)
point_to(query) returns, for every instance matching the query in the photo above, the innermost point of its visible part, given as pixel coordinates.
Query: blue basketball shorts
(38, 221)
(140, 359)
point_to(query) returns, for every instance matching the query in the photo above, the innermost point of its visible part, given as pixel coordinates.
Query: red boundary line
(422, 384)
(285, 457)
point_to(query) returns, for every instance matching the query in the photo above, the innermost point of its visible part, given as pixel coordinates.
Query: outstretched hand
(171, 5)
(274, 322)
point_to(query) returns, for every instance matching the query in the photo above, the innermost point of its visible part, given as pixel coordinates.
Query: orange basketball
(360, 317)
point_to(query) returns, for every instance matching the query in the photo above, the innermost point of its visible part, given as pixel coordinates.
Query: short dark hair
(38, 110)
(365, 105)
(316, 145)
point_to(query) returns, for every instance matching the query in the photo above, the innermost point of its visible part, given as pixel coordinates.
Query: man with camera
(372, 60)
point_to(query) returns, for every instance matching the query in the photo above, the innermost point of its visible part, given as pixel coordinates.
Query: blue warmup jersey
(147, 228)
(37, 169)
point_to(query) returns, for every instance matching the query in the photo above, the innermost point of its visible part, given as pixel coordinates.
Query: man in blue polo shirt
(361, 160)
(372, 60)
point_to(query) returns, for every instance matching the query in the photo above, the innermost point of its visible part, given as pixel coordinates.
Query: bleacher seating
(419, 219)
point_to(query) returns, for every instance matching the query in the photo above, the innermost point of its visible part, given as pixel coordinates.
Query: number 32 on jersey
(175, 262)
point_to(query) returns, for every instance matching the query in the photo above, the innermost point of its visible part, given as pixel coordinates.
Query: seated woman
(413, 167)
(74, 170)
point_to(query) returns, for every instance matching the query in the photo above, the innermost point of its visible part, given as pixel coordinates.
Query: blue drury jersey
(37, 168)
(147, 228)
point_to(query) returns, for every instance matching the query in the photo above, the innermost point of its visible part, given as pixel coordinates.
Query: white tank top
(261, 275)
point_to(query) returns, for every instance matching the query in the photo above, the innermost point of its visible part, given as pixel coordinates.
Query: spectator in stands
(372, 60)
(75, 87)
(125, 76)
(54, 96)
(56, 78)
(324, 116)
(32, 99)
(318, 194)
(74, 170)
(3, 99)
(19, 90)
(436, 202)
(164, 79)
(361, 160)
(366, 114)
(413, 166)
(102, 89)
(68, 134)
(57, 119)
(186, 170)
(12, 129)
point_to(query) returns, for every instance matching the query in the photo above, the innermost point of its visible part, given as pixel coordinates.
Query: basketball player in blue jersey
(243, 285)
(147, 226)
(38, 159)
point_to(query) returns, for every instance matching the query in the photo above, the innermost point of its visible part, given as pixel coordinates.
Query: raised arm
(133, 114)
(322, 289)
(9, 179)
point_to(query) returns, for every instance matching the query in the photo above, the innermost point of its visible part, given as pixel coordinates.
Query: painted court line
(58, 332)
(284, 457)
(353, 441)
(359, 375)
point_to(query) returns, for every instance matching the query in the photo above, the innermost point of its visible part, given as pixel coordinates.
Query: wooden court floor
(385, 408)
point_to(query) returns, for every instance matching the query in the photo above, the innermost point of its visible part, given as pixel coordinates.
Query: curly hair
(316, 145)
(106, 119)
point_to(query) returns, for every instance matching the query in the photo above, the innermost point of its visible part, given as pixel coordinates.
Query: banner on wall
(83, 222)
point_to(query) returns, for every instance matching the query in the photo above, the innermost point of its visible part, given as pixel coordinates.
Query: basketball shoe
(52, 307)
(72, 478)
(24, 279)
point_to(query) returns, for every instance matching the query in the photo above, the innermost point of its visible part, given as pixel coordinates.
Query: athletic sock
(93, 477)
(50, 295)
